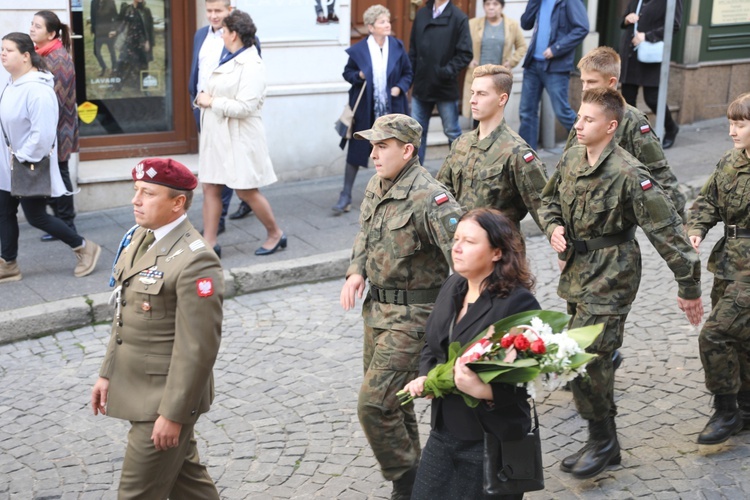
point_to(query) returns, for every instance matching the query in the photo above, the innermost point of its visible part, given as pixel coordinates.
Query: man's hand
(99, 396)
(166, 434)
(352, 290)
(548, 53)
(693, 309)
(557, 240)
(695, 241)
(395, 91)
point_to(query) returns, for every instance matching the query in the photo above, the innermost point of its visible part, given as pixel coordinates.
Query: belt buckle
(580, 246)
(731, 231)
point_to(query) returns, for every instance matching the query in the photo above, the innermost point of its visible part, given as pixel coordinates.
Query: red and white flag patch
(441, 198)
(205, 287)
(528, 157)
(646, 185)
(645, 129)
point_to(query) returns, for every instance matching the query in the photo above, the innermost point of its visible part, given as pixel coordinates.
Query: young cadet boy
(725, 338)
(600, 68)
(592, 204)
(492, 166)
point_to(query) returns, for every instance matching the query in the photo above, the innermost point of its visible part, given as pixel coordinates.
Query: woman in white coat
(28, 112)
(233, 149)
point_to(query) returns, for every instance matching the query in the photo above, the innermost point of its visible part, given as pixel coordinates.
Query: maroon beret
(167, 172)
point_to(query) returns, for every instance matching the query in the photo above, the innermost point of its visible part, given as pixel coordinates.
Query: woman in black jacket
(492, 281)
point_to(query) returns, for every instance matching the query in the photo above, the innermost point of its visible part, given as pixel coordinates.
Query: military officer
(592, 204)
(157, 372)
(725, 338)
(492, 166)
(403, 248)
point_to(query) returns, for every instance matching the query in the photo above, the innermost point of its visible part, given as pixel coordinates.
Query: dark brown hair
(241, 23)
(512, 270)
(609, 99)
(53, 24)
(740, 108)
(24, 44)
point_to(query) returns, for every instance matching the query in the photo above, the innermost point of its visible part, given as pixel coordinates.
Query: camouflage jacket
(636, 136)
(603, 200)
(501, 171)
(404, 243)
(726, 198)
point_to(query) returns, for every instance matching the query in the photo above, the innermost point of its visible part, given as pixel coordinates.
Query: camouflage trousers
(391, 360)
(594, 394)
(724, 341)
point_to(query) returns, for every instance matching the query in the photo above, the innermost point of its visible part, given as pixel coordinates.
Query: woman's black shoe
(217, 249)
(242, 211)
(269, 251)
(669, 137)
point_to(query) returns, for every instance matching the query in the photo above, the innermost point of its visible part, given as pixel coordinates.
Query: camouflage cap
(402, 127)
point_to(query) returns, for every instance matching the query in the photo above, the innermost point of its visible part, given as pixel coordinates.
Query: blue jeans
(448, 111)
(536, 79)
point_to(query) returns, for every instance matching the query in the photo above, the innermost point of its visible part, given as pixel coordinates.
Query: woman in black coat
(492, 281)
(636, 74)
(380, 61)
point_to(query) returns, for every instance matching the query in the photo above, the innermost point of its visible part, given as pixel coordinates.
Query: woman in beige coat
(492, 28)
(233, 149)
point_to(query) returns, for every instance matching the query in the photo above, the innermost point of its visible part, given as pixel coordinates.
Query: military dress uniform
(725, 338)
(500, 171)
(403, 250)
(635, 135)
(600, 207)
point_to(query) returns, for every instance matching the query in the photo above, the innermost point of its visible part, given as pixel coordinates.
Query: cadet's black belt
(583, 246)
(403, 297)
(732, 231)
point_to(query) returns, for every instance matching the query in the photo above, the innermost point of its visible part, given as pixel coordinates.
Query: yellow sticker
(87, 112)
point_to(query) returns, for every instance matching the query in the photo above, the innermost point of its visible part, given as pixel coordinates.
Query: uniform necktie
(143, 248)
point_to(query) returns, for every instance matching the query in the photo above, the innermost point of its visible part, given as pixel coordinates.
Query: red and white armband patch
(646, 184)
(645, 129)
(528, 157)
(205, 287)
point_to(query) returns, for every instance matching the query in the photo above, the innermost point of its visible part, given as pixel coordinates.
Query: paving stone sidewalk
(284, 422)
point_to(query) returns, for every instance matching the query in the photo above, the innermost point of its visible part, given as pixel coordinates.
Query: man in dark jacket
(440, 47)
(559, 26)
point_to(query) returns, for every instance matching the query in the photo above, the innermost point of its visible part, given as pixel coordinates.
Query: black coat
(439, 49)
(399, 74)
(651, 23)
(509, 418)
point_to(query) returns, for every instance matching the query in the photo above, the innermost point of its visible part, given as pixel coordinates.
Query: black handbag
(513, 467)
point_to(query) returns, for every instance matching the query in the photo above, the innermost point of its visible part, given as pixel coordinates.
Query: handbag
(648, 52)
(513, 467)
(27, 179)
(345, 124)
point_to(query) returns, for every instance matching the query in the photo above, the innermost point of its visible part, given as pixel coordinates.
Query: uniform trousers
(452, 469)
(176, 473)
(724, 340)
(594, 395)
(391, 360)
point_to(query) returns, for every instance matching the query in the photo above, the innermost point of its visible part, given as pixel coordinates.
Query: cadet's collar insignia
(646, 184)
(645, 129)
(441, 198)
(528, 157)
(197, 245)
(205, 287)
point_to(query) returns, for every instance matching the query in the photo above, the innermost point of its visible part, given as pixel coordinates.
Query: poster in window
(302, 20)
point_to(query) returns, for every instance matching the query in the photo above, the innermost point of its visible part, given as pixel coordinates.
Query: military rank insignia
(528, 157)
(646, 184)
(645, 129)
(441, 198)
(205, 287)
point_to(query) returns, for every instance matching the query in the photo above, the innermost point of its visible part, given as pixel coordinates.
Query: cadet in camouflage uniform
(592, 205)
(492, 166)
(725, 338)
(600, 68)
(403, 248)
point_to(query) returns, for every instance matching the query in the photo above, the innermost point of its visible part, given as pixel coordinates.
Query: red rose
(474, 357)
(507, 341)
(538, 347)
(521, 343)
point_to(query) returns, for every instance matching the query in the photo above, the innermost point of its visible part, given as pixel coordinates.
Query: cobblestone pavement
(284, 423)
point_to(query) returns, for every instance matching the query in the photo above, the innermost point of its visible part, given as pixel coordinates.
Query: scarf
(50, 47)
(228, 56)
(379, 59)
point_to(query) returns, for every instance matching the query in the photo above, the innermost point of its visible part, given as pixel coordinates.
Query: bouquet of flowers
(519, 350)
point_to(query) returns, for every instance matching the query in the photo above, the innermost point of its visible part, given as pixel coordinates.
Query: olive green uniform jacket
(167, 329)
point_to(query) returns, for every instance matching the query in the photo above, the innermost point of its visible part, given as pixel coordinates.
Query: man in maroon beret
(158, 370)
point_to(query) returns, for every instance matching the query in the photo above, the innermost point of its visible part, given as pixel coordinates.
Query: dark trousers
(651, 96)
(35, 210)
(63, 206)
(99, 41)
(226, 199)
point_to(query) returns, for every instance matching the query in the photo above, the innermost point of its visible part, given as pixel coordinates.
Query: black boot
(616, 359)
(568, 462)
(743, 402)
(345, 198)
(725, 421)
(601, 450)
(402, 486)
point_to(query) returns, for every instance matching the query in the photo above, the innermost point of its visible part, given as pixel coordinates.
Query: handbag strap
(359, 98)
(637, 13)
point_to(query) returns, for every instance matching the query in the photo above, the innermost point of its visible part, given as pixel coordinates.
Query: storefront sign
(730, 12)
(301, 20)
(87, 112)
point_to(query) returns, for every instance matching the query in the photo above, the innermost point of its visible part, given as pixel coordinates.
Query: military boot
(743, 401)
(725, 421)
(9, 271)
(601, 450)
(402, 486)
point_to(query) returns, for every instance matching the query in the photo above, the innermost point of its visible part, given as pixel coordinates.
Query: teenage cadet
(403, 249)
(592, 205)
(725, 338)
